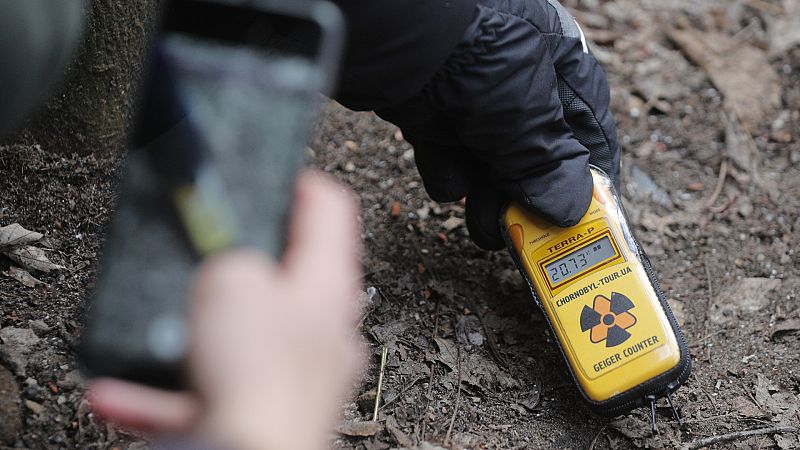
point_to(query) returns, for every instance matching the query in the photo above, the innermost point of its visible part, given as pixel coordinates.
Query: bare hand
(274, 347)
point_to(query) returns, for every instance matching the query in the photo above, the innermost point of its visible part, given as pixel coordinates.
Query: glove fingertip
(484, 207)
(562, 197)
(487, 240)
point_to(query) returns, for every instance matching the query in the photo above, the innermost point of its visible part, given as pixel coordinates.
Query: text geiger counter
(603, 303)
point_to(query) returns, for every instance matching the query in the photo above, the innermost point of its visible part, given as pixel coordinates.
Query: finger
(324, 245)
(438, 154)
(484, 208)
(227, 291)
(234, 269)
(219, 284)
(559, 192)
(443, 171)
(142, 407)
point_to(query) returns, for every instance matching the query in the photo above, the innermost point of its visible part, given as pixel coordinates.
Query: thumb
(484, 206)
(559, 192)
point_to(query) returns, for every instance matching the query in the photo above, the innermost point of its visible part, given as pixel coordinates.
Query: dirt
(470, 361)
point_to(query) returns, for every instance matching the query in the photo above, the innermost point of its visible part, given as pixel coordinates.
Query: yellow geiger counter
(603, 303)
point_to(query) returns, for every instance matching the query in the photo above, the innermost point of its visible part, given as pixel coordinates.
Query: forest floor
(707, 100)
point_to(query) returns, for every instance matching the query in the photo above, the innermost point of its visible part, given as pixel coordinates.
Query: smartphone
(231, 92)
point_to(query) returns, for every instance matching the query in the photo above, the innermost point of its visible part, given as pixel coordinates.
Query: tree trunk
(91, 111)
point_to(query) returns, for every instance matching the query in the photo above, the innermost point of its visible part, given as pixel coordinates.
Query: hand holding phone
(220, 133)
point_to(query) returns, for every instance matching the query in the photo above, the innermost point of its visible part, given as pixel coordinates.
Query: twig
(709, 298)
(724, 207)
(705, 442)
(435, 335)
(708, 305)
(594, 441)
(723, 172)
(490, 337)
(405, 388)
(710, 399)
(458, 397)
(700, 342)
(761, 443)
(768, 8)
(384, 353)
(421, 430)
(750, 395)
(706, 419)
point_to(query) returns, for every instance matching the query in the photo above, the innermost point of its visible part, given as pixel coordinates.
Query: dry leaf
(744, 152)
(741, 72)
(361, 429)
(14, 236)
(743, 297)
(35, 408)
(23, 276)
(784, 31)
(477, 370)
(746, 408)
(400, 437)
(785, 327)
(32, 258)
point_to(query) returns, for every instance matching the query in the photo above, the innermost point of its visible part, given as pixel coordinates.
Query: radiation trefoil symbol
(607, 319)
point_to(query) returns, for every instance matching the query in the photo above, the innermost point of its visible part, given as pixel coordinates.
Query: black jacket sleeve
(518, 107)
(395, 46)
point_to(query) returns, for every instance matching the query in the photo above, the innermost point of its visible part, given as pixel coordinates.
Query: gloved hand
(518, 111)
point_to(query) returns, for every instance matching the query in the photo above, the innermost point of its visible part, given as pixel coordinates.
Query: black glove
(519, 110)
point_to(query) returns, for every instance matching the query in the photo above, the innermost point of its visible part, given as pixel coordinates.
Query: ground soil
(453, 315)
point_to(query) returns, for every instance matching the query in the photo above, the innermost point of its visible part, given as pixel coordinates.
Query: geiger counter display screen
(580, 260)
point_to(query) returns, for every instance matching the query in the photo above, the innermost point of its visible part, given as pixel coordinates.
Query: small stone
(395, 211)
(16, 344)
(745, 208)
(35, 408)
(349, 166)
(71, 380)
(39, 326)
(424, 212)
(677, 311)
(635, 106)
(452, 223)
(782, 135)
(696, 186)
(398, 135)
(645, 150)
(475, 338)
(350, 145)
